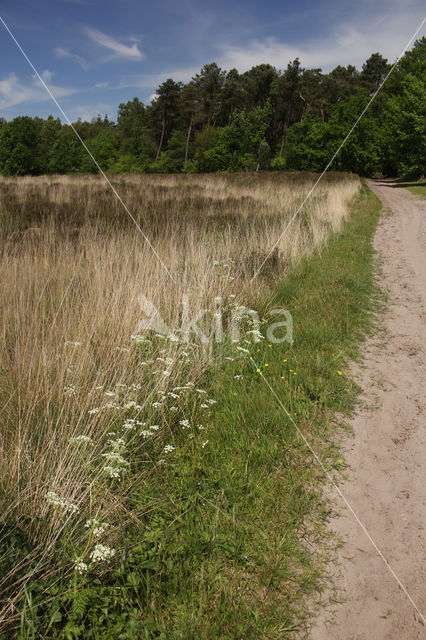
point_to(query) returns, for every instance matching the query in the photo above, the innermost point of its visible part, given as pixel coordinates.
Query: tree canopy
(228, 121)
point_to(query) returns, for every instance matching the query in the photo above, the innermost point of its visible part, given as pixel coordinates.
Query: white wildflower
(102, 553)
(57, 501)
(243, 350)
(98, 527)
(115, 458)
(168, 448)
(185, 423)
(118, 444)
(200, 391)
(146, 434)
(111, 405)
(173, 408)
(156, 405)
(203, 444)
(204, 406)
(112, 472)
(94, 411)
(80, 566)
(238, 377)
(70, 390)
(154, 427)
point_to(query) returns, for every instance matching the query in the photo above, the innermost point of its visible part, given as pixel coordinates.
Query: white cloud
(87, 112)
(119, 50)
(101, 85)
(351, 43)
(46, 75)
(147, 80)
(13, 91)
(61, 52)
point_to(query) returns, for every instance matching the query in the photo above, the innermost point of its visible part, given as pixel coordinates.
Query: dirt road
(387, 452)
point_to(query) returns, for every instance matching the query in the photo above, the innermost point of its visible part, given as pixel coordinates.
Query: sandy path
(387, 452)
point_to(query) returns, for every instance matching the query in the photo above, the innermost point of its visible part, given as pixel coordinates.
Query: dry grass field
(72, 268)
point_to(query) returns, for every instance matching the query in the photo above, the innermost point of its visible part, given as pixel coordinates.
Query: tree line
(229, 121)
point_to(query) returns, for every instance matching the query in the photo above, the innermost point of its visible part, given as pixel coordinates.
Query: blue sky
(94, 55)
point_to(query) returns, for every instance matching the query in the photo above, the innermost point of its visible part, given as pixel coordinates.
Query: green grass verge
(238, 547)
(418, 187)
(418, 190)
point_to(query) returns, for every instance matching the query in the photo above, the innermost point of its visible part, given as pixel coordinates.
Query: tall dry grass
(72, 267)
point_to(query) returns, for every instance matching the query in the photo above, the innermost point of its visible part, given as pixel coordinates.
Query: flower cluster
(57, 501)
(70, 390)
(98, 528)
(168, 448)
(81, 566)
(102, 553)
(116, 465)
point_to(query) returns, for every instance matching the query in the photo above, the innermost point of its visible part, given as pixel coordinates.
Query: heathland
(151, 484)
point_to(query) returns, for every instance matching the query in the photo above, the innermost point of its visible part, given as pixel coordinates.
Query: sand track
(386, 454)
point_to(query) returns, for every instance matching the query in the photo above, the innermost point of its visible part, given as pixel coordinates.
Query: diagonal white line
(103, 174)
(339, 149)
(343, 497)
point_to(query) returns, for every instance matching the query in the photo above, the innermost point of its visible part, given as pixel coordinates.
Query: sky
(94, 55)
